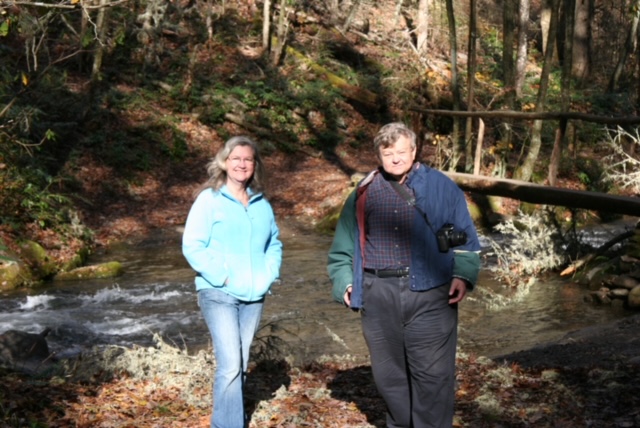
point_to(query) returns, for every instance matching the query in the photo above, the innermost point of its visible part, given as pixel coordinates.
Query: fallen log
(601, 250)
(547, 195)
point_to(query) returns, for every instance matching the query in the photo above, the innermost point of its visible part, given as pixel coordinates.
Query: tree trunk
(423, 27)
(525, 171)
(455, 86)
(556, 154)
(545, 26)
(282, 31)
(471, 78)
(565, 103)
(509, 19)
(266, 25)
(352, 13)
(629, 48)
(100, 37)
(581, 63)
(398, 12)
(521, 56)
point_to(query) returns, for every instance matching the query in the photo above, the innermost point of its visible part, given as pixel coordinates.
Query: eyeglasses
(237, 160)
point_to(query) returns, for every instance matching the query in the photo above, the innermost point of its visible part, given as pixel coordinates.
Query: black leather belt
(389, 273)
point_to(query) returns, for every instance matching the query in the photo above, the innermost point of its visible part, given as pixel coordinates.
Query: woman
(231, 241)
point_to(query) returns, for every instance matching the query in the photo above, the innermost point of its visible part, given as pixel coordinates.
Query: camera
(448, 237)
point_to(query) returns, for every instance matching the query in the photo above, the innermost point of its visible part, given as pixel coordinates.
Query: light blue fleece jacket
(233, 247)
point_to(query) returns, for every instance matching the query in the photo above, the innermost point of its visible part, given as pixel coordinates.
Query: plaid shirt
(388, 234)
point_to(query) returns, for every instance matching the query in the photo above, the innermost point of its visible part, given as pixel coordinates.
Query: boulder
(24, 351)
(34, 255)
(103, 270)
(13, 274)
(633, 300)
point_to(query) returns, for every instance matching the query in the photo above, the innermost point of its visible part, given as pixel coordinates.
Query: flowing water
(156, 295)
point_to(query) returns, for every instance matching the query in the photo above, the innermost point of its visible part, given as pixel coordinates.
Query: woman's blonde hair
(217, 168)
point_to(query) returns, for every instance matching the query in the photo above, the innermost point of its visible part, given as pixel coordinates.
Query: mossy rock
(104, 270)
(327, 225)
(36, 257)
(78, 260)
(13, 275)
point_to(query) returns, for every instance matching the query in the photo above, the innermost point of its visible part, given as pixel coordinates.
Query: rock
(619, 293)
(104, 270)
(633, 300)
(13, 274)
(25, 351)
(601, 296)
(37, 258)
(624, 281)
(635, 273)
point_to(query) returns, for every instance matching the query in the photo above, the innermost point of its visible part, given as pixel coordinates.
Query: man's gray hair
(390, 133)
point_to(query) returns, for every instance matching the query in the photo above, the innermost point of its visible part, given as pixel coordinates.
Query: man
(405, 258)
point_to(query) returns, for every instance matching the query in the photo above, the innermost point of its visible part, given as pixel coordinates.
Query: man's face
(398, 158)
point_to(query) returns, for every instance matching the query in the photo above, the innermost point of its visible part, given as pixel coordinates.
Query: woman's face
(240, 165)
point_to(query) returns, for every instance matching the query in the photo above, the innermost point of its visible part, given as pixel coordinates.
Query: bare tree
(266, 25)
(628, 49)
(582, 41)
(521, 56)
(423, 26)
(471, 78)
(455, 86)
(525, 171)
(565, 102)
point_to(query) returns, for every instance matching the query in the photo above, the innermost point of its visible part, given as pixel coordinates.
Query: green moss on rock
(36, 257)
(104, 270)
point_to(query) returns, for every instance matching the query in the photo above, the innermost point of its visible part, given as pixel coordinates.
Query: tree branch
(5, 3)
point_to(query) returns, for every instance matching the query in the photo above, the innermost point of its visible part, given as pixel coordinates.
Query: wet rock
(24, 351)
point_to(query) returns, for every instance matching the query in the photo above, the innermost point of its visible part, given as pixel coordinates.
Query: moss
(36, 257)
(13, 275)
(104, 270)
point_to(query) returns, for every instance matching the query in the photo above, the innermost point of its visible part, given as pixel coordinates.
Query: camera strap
(411, 200)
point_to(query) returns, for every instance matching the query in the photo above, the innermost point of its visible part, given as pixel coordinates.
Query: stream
(156, 295)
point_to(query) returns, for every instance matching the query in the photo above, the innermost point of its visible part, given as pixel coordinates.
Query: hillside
(125, 144)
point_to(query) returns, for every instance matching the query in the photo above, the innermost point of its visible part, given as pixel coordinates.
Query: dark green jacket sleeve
(340, 263)
(467, 266)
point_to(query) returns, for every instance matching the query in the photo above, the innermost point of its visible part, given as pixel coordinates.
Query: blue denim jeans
(232, 324)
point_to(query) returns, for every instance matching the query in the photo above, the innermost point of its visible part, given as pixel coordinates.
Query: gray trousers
(412, 344)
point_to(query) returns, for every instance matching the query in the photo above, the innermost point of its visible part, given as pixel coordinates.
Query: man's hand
(347, 296)
(457, 291)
